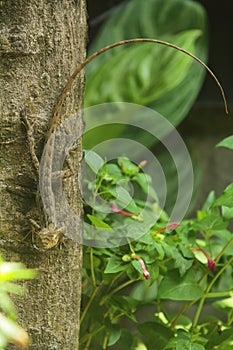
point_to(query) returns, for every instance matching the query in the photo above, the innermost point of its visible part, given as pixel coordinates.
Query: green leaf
(144, 181)
(227, 213)
(186, 345)
(128, 340)
(10, 271)
(156, 335)
(220, 342)
(224, 304)
(11, 331)
(3, 341)
(7, 305)
(227, 142)
(115, 333)
(196, 346)
(99, 223)
(124, 304)
(127, 166)
(10, 287)
(115, 264)
(180, 262)
(124, 200)
(211, 222)
(137, 75)
(130, 74)
(226, 198)
(112, 173)
(145, 292)
(94, 161)
(209, 201)
(175, 287)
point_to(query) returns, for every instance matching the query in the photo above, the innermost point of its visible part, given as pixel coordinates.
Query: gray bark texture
(41, 43)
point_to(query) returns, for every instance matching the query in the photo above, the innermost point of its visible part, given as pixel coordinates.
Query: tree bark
(41, 42)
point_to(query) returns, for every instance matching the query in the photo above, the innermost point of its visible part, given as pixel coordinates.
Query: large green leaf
(141, 73)
(175, 287)
(156, 335)
(148, 74)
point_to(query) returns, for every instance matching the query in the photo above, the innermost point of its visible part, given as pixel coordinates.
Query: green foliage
(186, 264)
(137, 67)
(116, 286)
(227, 142)
(10, 331)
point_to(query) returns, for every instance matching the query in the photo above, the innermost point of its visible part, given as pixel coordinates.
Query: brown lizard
(51, 235)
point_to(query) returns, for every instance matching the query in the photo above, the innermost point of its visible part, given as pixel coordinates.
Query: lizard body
(51, 235)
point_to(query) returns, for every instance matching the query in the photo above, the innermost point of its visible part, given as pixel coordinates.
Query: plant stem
(105, 342)
(219, 294)
(92, 268)
(115, 279)
(189, 303)
(88, 343)
(127, 283)
(89, 337)
(89, 304)
(223, 250)
(198, 312)
(186, 305)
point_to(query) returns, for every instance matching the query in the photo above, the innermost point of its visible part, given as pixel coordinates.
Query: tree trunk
(41, 42)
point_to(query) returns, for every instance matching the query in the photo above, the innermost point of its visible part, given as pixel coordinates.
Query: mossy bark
(41, 42)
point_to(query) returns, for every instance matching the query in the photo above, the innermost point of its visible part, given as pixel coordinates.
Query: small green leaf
(13, 332)
(137, 266)
(7, 305)
(144, 181)
(209, 201)
(227, 142)
(115, 333)
(115, 264)
(10, 271)
(112, 173)
(13, 288)
(227, 212)
(211, 222)
(97, 222)
(175, 287)
(224, 304)
(127, 166)
(124, 200)
(179, 261)
(220, 342)
(226, 198)
(94, 161)
(186, 345)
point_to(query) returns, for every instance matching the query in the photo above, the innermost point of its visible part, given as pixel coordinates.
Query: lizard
(50, 235)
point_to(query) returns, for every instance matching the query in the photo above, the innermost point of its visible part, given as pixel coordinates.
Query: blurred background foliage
(10, 331)
(154, 76)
